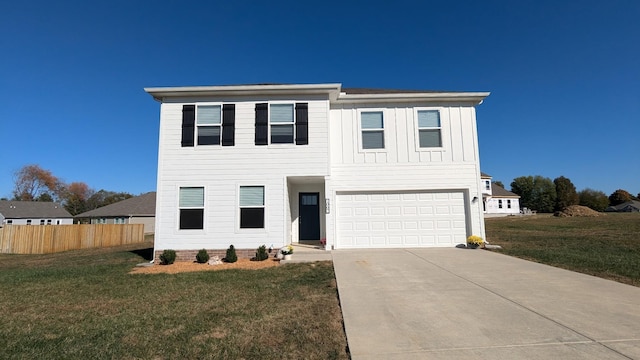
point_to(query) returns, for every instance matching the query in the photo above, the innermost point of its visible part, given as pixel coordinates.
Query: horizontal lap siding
(222, 169)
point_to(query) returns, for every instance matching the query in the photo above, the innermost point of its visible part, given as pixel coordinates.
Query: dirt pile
(577, 210)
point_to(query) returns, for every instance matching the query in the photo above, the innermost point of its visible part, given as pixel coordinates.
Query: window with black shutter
(188, 124)
(228, 124)
(262, 124)
(302, 124)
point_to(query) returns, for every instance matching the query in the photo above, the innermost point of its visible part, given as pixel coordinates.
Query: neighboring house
(135, 210)
(496, 200)
(33, 213)
(629, 206)
(249, 165)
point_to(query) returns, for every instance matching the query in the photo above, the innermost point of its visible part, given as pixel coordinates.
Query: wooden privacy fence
(46, 239)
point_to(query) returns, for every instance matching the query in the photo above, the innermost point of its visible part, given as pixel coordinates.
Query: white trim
(196, 125)
(360, 130)
(441, 115)
(238, 229)
(178, 208)
(269, 103)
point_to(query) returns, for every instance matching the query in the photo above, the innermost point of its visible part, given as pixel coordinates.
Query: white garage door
(400, 219)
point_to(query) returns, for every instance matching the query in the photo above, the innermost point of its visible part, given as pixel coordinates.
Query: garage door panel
(417, 219)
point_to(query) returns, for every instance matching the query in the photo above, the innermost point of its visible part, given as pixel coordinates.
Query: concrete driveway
(475, 304)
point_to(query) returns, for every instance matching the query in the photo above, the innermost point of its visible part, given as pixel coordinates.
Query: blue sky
(564, 76)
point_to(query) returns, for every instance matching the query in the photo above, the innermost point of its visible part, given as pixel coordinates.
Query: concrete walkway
(475, 304)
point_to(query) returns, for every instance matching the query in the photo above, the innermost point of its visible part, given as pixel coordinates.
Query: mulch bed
(186, 266)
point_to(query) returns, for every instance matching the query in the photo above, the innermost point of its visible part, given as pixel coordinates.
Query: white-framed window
(499, 204)
(281, 123)
(251, 205)
(49, 222)
(41, 221)
(429, 129)
(508, 204)
(191, 205)
(9, 222)
(487, 185)
(29, 222)
(208, 124)
(372, 129)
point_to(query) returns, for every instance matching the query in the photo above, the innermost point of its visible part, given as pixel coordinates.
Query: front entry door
(309, 219)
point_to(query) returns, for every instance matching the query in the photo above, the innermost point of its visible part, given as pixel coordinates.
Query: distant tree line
(33, 183)
(545, 195)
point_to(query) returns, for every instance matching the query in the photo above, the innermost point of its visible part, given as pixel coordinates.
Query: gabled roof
(484, 176)
(499, 191)
(632, 203)
(32, 209)
(142, 205)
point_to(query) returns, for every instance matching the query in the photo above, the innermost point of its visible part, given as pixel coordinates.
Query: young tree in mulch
(231, 256)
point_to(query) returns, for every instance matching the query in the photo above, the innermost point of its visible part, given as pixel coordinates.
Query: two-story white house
(496, 200)
(249, 165)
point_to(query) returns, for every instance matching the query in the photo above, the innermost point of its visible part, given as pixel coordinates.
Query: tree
(103, 197)
(566, 194)
(536, 192)
(618, 197)
(31, 181)
(594, 199)
(523, 186)
(499, 183)
(75, 196)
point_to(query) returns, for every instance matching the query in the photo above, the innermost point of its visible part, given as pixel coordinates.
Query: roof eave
(159, 93)
(475, 98)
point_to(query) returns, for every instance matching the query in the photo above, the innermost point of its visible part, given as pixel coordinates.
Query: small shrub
(262, 254)
(231, 255)
(168, 257)
(202, 256)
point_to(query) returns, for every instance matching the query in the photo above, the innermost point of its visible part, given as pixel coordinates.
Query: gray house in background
(629, 206)
(136, 210)
(33, 213)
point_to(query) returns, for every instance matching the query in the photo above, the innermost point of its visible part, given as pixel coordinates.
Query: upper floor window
(191, 205)
(209, 123)
(429, 129)
(372, 126)
(487, 185)
(213, 125)
(282, 124)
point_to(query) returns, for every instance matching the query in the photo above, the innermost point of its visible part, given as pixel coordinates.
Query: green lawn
(607, 246)
(85, 305)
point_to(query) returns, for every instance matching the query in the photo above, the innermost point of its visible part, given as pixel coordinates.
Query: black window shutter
(302, 124)
(262, 123)
(188, 123)
(228, 124)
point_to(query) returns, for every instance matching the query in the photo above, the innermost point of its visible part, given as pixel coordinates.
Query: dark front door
(309, 220)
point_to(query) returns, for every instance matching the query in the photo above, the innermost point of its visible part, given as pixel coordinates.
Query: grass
(85, 305)
(607, 246)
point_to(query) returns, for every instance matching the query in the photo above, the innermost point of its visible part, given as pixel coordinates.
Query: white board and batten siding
(404, 195)
(221, 170)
